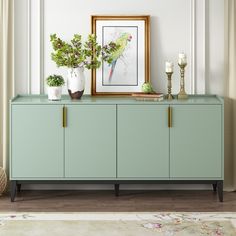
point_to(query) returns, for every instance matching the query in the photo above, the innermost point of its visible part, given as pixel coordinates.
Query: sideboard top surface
(87, 99)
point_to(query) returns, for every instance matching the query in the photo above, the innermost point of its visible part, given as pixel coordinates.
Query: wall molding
(29, 46)
(206, 44)
(35, 46)
(193, 44)
(13, 51)
(201, 16)
(41, 27)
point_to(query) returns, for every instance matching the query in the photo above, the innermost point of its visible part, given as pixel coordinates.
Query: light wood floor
(128, 201)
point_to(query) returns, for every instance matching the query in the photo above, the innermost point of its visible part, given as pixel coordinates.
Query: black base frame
(216, 184)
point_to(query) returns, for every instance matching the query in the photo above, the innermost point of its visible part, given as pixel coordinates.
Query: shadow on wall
(233, 117)
(229, 147)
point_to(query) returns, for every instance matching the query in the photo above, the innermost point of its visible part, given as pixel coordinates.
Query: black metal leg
(18, 187)
(13, 190)
(220, 190)
(117, 187)
(214, 187)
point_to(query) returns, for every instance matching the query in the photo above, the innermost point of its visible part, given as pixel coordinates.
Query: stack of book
(148, 96)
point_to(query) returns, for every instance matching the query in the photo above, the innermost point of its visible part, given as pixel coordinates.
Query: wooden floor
(128, 201)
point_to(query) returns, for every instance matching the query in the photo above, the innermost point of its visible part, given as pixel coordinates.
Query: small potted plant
(55, 83)
(77, 55)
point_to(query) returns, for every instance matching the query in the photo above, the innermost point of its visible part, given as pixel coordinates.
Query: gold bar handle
(169, 117)
(64, 117)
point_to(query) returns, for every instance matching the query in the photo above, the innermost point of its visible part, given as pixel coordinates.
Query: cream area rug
(117, 224)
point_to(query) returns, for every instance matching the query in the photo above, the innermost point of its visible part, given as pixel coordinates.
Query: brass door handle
(64, 117)
(169, 117)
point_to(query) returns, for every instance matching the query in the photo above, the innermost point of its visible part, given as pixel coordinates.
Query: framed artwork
(130, 67)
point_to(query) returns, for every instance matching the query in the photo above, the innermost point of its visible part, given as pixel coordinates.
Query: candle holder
(182, 94)
(169, 96)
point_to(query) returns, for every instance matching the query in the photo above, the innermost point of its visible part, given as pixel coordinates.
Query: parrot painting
(122, 41)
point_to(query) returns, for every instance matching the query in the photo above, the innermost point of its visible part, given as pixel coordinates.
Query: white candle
(182, 58)
(169, 67)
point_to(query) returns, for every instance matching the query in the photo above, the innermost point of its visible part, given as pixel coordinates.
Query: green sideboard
(117, 140)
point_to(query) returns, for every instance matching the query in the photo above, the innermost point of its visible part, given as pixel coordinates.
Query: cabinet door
(143, 141)
(196, 142)
(37, 141)
(90, 141)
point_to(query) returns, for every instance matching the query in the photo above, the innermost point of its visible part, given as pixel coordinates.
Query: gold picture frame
(98, 87)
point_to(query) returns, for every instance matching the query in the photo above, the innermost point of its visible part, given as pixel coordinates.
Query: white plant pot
(76, 82)
(54, 93)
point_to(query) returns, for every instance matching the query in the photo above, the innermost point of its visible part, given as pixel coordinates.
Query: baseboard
(229, 189)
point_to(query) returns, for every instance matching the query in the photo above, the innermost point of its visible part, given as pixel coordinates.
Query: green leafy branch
(78, 54)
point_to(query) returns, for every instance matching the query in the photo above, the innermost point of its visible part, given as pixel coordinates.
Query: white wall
(168, 36)
(195, 27)
(192, 26)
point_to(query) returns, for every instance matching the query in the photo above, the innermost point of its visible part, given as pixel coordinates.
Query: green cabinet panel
(90, 141)
(37, 141)
(196, 141)
(116, 138)
(142, 141)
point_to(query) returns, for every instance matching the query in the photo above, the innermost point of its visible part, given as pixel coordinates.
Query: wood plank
(128, 201)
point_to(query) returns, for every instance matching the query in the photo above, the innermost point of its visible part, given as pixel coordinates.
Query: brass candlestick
(182, 94)
(169, 96)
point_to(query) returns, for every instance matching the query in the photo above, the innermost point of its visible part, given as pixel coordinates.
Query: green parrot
(122, 41)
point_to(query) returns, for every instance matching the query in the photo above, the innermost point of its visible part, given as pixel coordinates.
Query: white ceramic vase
(54, 93)
(76, 82)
